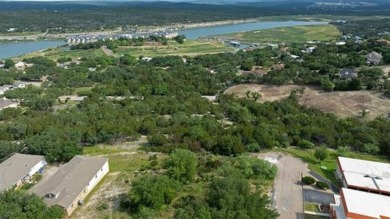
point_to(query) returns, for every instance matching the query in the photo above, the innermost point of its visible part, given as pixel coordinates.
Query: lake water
(12, 49)
(195, 33)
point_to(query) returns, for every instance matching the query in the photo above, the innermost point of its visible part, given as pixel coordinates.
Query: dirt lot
(287, 193)
(343, 104)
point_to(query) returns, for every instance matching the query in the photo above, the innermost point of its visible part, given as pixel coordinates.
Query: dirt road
(287, 196)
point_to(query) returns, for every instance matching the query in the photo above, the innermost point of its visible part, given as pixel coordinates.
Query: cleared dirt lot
(287, 192)
(343, 104)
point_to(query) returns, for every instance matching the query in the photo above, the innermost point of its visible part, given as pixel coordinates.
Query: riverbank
(179, 26)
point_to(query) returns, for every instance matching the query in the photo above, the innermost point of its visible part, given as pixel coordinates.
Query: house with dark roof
(7, 103)
(19, 169)
(347, 74)
(72, 182)
(373, 58)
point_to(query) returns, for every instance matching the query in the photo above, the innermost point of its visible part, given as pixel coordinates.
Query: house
(356, 204)
(72, 182)
(347, 73)
(364, 175)
(18, 169)
(340, 43)
(310, 49)
(20, 65)
(7, 103)
(373, 58)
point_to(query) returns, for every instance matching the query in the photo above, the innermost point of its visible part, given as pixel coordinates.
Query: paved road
(287, 195)
(314, 196)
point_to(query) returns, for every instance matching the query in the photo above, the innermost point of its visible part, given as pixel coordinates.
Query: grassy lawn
(189, 48)
(56, 53)
(296, 34)
(309, 216)
(312, 207)
(330, 162)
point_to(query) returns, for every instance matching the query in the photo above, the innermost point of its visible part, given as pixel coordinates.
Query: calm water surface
(12, 49)
(195, 33)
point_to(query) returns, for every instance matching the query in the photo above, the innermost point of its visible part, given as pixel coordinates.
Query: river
(195, 33)
(13, 49)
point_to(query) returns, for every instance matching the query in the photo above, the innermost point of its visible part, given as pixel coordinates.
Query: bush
(322, 185)
(308, 180)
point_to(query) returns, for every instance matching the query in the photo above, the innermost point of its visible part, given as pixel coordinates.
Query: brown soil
(343, 104)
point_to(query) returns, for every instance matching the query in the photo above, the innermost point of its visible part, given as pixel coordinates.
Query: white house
(18, 169)
(72, 182)
(20, 65)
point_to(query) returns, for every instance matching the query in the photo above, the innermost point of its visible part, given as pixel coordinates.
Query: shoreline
(62, 36)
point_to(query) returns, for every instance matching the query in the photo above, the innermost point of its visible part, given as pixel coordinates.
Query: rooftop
(366, 174)
(366, 204)
(16, 167)
(69, 181)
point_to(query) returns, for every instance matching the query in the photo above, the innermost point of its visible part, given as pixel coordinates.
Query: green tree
(9, 63)
(230, 197)
(16, 204)
(182, 165)
(153, 192)
(321, 153)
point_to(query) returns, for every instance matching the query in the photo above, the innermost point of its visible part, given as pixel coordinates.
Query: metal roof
(366, 204)
(366, 174)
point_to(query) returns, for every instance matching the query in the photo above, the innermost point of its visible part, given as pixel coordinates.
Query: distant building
(20, 65)
(364, 175)
(360, 205)
(18, 169)
(340, 43)
(347, 74)
(310, 49)
(72, 182)
(373, 58)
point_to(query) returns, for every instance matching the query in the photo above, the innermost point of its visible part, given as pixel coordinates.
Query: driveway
(314, 196)
(287, 196)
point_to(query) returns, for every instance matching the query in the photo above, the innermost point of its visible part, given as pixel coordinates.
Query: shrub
(322, 185)
(308, 180)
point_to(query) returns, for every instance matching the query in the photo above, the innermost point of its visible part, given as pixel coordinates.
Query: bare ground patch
(343, 104)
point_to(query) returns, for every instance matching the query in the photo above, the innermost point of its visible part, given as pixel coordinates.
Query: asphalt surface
(314, 196)
(287, 195)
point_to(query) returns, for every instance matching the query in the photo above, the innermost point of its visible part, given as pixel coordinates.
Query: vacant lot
(343, 104)
(296, 34)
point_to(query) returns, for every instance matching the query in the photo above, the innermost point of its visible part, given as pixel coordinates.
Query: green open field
(56, 53)
(189, 48)
(296, 34)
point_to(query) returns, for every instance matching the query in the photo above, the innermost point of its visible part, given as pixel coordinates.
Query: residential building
(347, 74)
(373, 58)
(364, 175)
(72, 182)
(355, 204)
(18, 169)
